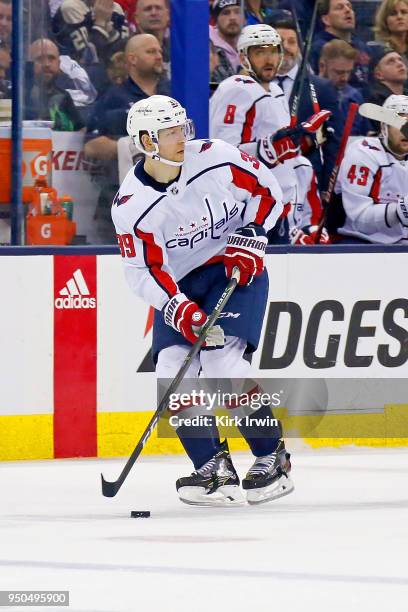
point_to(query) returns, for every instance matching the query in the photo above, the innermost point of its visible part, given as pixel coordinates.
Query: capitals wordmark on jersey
(166, 231)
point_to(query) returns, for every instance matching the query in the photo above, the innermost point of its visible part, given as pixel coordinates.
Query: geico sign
(355, 331)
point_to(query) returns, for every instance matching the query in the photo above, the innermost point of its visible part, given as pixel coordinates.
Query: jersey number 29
(126, 245)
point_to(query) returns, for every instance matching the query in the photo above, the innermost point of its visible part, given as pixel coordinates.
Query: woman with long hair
(391, 25)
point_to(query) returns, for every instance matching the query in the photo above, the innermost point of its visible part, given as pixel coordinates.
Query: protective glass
(178, 133)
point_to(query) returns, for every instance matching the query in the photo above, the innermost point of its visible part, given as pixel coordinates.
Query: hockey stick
(301, 75)
(312, 89)
(313, 95)
(334, 174)
(109, 489)
(384, 115)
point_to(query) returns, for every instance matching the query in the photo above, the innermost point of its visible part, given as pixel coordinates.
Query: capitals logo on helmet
(152, 115)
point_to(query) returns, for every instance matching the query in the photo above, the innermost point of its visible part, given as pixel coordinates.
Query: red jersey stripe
(154, 260)
(246, 135)
(314, 201)
(375, 187)
(249, 182)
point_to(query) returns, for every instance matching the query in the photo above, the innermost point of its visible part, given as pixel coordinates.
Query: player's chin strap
(156, 155)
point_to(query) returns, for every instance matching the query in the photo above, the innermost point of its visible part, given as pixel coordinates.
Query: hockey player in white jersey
(304, 215)
(373, 181)
(251, 112)
(185, 217)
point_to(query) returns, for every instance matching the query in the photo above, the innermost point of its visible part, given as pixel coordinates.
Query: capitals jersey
(307, 207)
(370, 178)
(167, 230)
(241, 111)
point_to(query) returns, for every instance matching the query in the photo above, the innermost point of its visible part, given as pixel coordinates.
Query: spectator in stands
(388, 75)
(5, 21)
(116, 68)
(229, 21)
(391, 25)
(257, 11)
(304, 12)
(220, 68)
(336, 64)
(153, 17)
(90, 31)
(326, 95)
(338, 19)
(45, 98)
(5, 61)
(128, 7)
(144, 64)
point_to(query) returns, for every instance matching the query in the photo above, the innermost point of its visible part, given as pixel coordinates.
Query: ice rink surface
(337, 544)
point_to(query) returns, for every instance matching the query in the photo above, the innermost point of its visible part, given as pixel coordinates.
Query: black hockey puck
(140, 514)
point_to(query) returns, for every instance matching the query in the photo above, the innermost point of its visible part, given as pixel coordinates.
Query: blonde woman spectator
(391, 25)
(116, 68)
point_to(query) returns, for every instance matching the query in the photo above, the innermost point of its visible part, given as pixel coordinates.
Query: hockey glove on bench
(286, 142)
(246, 249)
(186, 317)
(307, 235)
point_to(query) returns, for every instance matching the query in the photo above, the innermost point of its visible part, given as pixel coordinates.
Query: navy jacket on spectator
(327, 98)
(359, 77)
(251, 19)
(109, 118)
(378, 92)
(347, 95)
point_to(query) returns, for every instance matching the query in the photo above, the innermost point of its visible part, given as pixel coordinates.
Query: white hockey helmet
(154, 114)
(397, 103)
(258, 35)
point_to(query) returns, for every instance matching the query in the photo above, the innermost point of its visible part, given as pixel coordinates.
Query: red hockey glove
(246, 250)
(307, 235)
(314, 131)
(186, 317)
(286, 142)
(315, 122)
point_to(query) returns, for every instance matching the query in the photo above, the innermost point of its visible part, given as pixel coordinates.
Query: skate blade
(226, 496)
(280, 488)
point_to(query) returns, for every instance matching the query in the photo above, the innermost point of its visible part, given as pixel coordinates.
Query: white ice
(337, 544)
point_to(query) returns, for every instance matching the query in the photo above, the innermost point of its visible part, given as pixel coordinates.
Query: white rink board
(26, 326)
(346, 279)
(26, 335)
(121, 343)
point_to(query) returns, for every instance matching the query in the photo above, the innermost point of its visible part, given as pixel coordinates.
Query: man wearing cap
(388, 74)
(229, 22)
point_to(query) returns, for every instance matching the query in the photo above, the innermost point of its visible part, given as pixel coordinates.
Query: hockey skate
(268, 478)
(216, 483)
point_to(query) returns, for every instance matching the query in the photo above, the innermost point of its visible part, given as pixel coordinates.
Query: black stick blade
(109, 489)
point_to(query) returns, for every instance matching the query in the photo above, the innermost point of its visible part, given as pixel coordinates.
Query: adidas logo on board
(75, 293)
